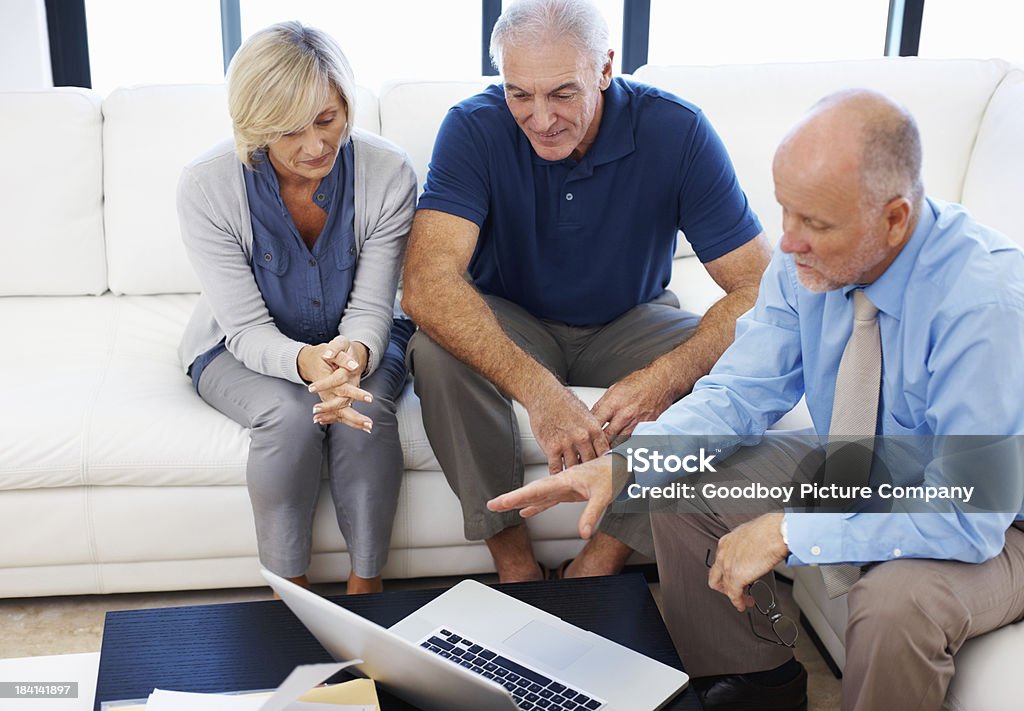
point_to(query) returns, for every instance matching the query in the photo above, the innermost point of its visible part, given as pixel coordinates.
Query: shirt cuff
(289, 361)
(814, 538)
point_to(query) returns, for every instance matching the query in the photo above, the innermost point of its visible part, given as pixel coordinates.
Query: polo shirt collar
(615, 136)
(887, 292)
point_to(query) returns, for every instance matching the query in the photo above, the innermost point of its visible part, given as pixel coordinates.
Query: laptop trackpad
(552, 646)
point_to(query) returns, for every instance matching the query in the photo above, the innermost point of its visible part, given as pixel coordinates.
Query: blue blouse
(305, 290)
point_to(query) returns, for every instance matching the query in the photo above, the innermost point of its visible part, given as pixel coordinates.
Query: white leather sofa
(115, 477)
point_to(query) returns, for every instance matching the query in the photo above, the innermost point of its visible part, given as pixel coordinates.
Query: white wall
(24, 46)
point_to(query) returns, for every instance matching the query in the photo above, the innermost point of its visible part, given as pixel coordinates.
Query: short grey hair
(892, 159)
(890, 144)
(530, 22)
(279, 81)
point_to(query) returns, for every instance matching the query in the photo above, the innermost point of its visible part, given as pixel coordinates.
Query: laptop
(475, 648)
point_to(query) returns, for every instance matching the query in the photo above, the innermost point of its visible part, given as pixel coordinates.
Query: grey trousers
(286, 452)
(470, 423)
(908, 618)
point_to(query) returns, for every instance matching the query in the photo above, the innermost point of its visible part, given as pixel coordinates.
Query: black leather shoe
(737, 692)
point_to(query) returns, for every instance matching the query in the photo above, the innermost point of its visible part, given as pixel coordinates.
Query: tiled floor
(64, 625)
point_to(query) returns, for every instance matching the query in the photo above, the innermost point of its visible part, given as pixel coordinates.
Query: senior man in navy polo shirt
(539, 258)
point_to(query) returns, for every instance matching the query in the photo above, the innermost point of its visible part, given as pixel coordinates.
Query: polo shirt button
(316, 302)
(320, 197)
(352, 249)
(815, 550)
(896, 552)
(312, 262)
(568, 196)
(267, 257)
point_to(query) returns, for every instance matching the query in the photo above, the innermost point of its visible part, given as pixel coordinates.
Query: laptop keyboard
(529, 688)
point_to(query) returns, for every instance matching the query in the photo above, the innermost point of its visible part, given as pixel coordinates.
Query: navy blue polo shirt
(582, 242)
(305, 290)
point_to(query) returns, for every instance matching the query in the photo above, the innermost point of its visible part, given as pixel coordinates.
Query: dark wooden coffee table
(255, 645)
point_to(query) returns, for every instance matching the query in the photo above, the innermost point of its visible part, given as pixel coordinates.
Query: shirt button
(312, 262)
(815, 550)
(352, 249)
(267, 257)
(568, 196)
(320, 197)
(897, 552)
(316, 302)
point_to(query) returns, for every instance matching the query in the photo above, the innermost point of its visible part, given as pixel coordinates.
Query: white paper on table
(302, 679)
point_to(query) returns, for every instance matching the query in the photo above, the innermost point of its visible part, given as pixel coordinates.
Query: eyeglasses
(785, 630)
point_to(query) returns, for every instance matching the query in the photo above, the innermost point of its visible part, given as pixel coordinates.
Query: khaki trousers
(908, 618)
(470, 423)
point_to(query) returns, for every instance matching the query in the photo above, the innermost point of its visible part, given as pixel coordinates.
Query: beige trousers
(908, 618)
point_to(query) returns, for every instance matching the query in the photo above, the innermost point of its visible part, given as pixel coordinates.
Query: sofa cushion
(995, 178)
(115, 408)
(988, 673)
(111, 406)
(412, 111)
(51, 199)
(762, 103)
(149, 134)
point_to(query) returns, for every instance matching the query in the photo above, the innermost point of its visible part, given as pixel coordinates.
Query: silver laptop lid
(401, 667)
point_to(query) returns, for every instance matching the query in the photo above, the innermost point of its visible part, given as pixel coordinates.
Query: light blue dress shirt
(951, 317)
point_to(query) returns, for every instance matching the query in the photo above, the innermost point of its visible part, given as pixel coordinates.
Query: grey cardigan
(217, 230)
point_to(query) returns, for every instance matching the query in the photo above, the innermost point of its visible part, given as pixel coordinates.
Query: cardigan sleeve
(215, 249)
(387, 184)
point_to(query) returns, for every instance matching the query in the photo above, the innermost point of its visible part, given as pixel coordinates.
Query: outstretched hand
(590, 481)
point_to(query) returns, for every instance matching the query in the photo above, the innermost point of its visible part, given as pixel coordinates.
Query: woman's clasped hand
(334, 371)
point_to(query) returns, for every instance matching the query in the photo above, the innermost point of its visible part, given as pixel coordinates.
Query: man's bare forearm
(459, 320)
(683, 366)
(452, 312)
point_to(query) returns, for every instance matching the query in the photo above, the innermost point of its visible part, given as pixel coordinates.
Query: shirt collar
(328, 186)
(615, 136)
(888, 290)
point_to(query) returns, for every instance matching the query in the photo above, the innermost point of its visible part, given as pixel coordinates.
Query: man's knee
(441, 380)
(899, 598)
(681, 529)
(429, 361)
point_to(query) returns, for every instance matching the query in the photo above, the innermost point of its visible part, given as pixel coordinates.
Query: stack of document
(299, 692)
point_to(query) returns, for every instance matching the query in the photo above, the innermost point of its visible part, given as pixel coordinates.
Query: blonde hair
(279, 81)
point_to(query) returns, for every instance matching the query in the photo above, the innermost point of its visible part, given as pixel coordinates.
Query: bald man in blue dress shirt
(950, 300)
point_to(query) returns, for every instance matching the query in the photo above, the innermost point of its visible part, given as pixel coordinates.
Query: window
(133, 42)
(980, 28)
(753, 31)
(397, 39)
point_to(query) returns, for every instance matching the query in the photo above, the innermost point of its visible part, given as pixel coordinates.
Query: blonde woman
(297, 231)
